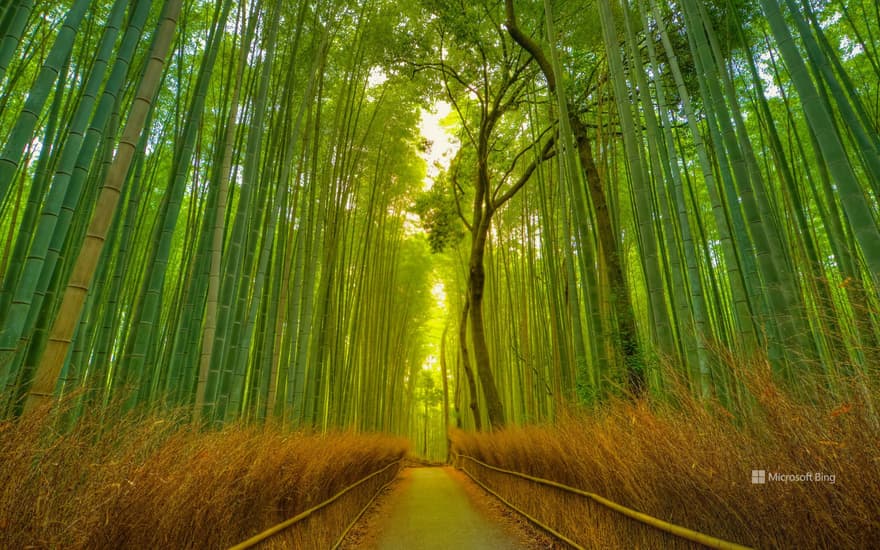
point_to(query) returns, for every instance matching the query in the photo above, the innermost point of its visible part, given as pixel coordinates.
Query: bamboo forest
(439, 274)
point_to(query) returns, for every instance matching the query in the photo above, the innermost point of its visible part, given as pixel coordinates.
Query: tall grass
(135, 481)
(690, 462)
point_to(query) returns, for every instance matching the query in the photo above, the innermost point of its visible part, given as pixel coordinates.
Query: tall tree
(621, 296)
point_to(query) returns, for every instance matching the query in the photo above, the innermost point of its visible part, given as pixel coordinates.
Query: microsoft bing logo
(759, 477)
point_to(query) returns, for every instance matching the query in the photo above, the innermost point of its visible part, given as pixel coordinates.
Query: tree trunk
(621, 301)
(445, 382)
(620, 294)
(466, 363)
(477, 281)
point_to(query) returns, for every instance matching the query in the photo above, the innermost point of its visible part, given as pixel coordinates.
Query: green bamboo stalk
(850, 192)
(641, 194)
(13, 354)
(743, 307)
(231, 295)
(23, 131)
(854, 115)
(147, 320)
(702, 330)
(77, 288)
(14, 21)
(63, 196)
(219, 223)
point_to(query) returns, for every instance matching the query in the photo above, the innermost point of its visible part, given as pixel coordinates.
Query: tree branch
(529, 45)
(520, 155)
(547, 152)
(456, 189)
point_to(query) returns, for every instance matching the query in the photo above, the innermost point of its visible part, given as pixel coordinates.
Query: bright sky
(438, 156)
(437, 322)
(443, 144)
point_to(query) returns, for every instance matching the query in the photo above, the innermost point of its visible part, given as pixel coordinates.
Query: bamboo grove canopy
(232, 206)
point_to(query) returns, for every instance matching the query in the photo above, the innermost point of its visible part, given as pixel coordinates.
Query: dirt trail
(431, 509)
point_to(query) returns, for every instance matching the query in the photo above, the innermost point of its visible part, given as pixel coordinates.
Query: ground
(429, 508)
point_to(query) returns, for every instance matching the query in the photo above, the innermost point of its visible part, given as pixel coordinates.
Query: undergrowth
(689, 461)
(136, 481)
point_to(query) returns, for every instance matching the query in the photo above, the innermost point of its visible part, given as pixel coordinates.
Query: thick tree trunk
(621, 300)
(477, 280)
(466, 363)
(445, 382)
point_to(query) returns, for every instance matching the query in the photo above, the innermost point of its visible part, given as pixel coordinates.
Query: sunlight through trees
(404, 217)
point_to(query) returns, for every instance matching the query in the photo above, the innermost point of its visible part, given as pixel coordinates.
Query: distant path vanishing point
(433, 512)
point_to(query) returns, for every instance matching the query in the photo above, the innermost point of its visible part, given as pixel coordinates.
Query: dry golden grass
(128, 481)
(690, 463)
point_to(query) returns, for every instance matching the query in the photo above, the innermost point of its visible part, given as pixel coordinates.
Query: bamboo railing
(286, 524)
(663, 526)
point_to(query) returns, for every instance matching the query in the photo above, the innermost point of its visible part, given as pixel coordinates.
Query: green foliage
(729, 183)
(439, 217)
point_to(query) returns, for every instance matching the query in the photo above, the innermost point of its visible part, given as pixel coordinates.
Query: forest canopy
(230, 206)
